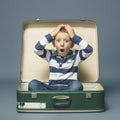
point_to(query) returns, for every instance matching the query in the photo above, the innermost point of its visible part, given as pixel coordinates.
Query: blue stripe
(38, 46)
(60, 81)
(49, 37)
(62, 70)
(88, 49)
(60, 60)
(44, 54)
(76, 39)
(81, 56)
(64, 60)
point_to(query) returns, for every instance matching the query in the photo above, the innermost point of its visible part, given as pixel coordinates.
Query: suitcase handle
(61, 101)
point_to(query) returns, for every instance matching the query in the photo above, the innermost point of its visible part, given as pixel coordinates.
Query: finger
(68, 26)
(61, 25)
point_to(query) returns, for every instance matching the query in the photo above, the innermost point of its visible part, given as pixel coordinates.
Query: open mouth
(62, 50)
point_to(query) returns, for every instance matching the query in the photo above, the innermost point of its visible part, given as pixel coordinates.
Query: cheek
(56, 45)
(69, 46)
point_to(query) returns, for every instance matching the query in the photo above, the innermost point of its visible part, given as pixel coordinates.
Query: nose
(62, 43)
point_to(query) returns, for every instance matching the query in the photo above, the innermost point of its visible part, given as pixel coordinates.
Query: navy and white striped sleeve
(86, 49)
(39, 48)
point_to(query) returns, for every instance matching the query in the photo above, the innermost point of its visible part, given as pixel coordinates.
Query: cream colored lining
(34, 67)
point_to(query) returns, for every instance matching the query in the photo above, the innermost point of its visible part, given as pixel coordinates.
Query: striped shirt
(63, 68)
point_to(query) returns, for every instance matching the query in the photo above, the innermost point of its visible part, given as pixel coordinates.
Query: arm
(40, 46)
(86, 50)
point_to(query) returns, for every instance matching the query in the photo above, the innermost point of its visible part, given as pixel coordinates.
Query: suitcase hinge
(34, 95)
(37, 19)
(88, 95)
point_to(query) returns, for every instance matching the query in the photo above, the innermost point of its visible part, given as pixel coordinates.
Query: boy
(63, 62)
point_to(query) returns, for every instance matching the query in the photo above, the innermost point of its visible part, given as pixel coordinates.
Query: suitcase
(91, 99)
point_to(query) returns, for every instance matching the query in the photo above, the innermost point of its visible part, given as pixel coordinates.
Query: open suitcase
(91, 99)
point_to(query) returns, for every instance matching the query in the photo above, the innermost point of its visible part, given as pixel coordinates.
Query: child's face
(63, 43)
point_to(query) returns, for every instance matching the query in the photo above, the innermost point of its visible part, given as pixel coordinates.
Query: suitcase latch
(34, 95)
(88, 95)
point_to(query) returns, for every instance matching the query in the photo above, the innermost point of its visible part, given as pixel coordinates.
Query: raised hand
(56, 30)
(70, 30)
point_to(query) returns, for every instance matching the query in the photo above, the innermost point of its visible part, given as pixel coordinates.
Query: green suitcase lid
(33, 67)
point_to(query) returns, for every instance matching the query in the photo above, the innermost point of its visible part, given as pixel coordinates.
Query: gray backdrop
(12, 15)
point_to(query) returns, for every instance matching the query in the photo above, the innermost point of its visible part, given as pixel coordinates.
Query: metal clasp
(34, 95)
(88, 96)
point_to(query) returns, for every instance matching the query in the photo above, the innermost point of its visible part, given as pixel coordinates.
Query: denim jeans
(67, 85)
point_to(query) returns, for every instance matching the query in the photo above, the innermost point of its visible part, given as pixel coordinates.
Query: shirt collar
(56, 54)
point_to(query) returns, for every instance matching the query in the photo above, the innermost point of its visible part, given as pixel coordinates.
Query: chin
(62, 55)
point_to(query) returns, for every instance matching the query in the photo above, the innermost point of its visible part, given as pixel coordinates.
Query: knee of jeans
(32, 84)
(77, 85)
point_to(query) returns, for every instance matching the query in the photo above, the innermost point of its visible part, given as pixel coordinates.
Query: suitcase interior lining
(32, 65)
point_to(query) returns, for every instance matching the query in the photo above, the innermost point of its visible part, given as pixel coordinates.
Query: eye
(66, 40)
(57, 40)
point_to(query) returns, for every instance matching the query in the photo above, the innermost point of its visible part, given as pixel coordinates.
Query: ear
(72, 45)
(53, 43)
